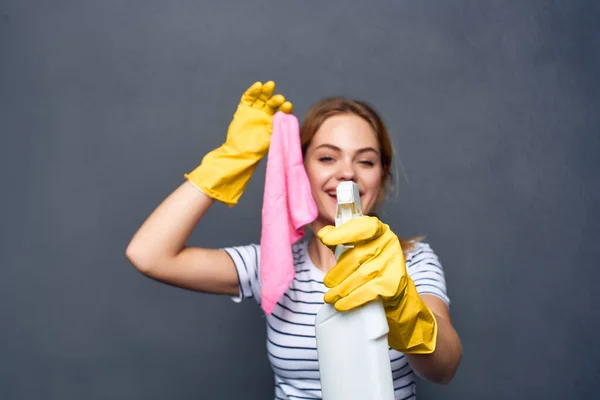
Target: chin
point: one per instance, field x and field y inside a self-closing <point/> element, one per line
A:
<point x="327" y="214"/>
<point x="328" y="217"/>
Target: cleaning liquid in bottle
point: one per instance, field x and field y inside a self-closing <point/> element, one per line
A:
<point x="352" y="346"/>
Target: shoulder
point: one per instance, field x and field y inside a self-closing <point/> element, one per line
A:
<point x="425" y="268"/>
<point x="423" y="258"/>
<point x="250" y="253"/>
<point x="246" y="259"/>
<point x="244" y="253"/>
<point x="421" y="252"/>
<point x="251" y="247"/>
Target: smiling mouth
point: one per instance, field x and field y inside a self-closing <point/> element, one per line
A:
<point x="333" y="195"/>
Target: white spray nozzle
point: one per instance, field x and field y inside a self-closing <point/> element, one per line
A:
<point x="347" y="193"/>
<point x="348" y="199"/>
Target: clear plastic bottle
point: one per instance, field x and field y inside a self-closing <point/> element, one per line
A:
<point x="352" y="346"/>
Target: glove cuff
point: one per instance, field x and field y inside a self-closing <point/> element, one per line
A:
<point x="413" y="327"/>
<point x="223" y="175"/>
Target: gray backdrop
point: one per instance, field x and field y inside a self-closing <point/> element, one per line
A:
<point x="104" y="105"/>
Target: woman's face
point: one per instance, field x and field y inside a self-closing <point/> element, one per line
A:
<point x="344" y="148"/>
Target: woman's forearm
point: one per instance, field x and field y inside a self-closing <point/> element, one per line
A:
<point x="165" y="232"/>
<point x="441" y="365"/>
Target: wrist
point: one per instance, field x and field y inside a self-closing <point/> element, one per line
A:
<point x="223" y="178"/>
<point x="407" y="313"/>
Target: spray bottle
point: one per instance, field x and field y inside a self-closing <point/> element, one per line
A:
<point x="352" y="346"/>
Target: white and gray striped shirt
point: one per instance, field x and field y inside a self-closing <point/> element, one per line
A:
<point x="291" y="343"/>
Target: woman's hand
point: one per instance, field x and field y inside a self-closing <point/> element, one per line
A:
<point x="251" y="127"/>
<point x="375" y="268"/>
<point x="225" y="171"/>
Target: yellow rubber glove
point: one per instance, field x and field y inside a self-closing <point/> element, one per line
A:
<point x="225" y="171"/>
<point x="376" y="268"/>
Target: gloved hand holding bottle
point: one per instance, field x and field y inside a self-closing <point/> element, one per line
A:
<point x="375" y="267"/>
<point x="225" y="171"/>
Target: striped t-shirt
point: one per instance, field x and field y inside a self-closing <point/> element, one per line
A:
<point x="291" y="343"/>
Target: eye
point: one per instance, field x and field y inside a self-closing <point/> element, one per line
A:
<point x="367" y="162"/>
<point x="325" y="159"/>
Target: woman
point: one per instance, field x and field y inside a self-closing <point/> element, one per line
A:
<point x="342" y="140"/>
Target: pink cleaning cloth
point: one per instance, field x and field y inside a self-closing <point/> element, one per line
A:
<point x="288" y="205"/>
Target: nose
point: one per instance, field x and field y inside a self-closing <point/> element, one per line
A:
<point x="346" y="172"/>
